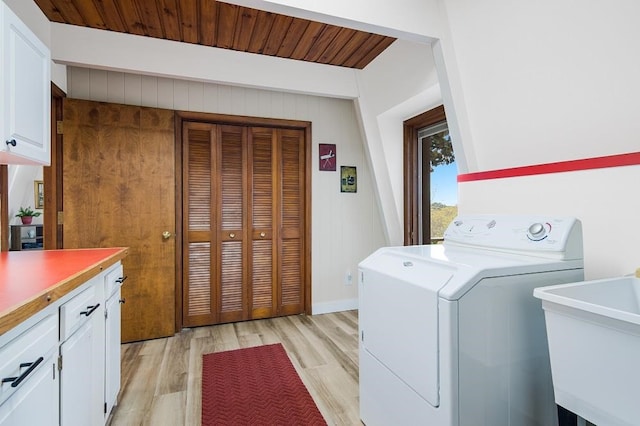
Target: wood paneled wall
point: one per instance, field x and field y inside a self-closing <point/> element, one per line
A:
<point x="345" y="227"/>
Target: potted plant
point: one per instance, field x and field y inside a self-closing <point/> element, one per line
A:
<point x="27" y="214"/>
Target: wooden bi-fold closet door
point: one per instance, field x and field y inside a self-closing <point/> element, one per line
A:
<point x="243" y="201"/>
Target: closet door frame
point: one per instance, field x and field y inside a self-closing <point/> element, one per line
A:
<point x="185" y="116"/>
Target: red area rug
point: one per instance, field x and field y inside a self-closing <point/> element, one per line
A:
<point x="255" y="386"/>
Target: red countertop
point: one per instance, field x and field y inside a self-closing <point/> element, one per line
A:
<point x="31" y="280"/>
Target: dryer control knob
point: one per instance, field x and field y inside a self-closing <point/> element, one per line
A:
<point x="537" y="231"/>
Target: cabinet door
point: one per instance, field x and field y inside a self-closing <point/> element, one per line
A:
<point x="36" y="402"/>
<point x="75" y="378"/>
<point x="112" y="371"/>
<point x="25" y="89"/>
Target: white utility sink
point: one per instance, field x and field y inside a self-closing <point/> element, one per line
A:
<point x="593" y="329"/>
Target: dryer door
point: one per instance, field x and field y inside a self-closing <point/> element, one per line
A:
<point x="398" y="317"/>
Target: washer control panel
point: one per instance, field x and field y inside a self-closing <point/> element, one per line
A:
<point x="539" y="231"/>
<point x="518" y="233"/>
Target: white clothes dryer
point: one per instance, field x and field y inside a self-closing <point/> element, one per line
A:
<point x="450" y="334"/>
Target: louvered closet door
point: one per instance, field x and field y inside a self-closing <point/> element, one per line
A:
<point x="264" y="205"/>
<point x="231" y="149"/>
<point x="214" y="252"/>
<point x="291" y="258"/>
<point x="199" y="231"/>
<point x="244" y="207"/>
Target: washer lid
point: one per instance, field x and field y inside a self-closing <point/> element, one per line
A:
<point x="398" y="316"/>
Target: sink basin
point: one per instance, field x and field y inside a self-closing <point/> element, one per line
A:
<point x="593" y="330"/>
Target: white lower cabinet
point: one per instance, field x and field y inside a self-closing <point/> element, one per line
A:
<point x="90" y="351"/>
<point x="112" y="366"/>
<point x="112" y="285"/>
<point x="36" y="402"/>
<point x="75" y="377"/>
<point x="29" y="380"/>
<point x="81" y="362"/>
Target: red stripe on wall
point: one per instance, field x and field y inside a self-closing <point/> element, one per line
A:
<point x="629" y="159"/>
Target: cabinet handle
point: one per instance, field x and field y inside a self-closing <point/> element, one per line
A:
<point x="232" y="235"/>
<point x="262" y="235"/>
<point x="12" y="142"/>
<point x="15" y="381"/>
<point x="121" y="279"/>
<point x="122" y="301"/>
<point x="91" y="309"/>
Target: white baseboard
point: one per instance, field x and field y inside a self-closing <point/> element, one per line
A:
<point x="336" y="306"/>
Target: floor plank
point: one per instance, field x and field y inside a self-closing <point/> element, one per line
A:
<point x="162" y="378"/>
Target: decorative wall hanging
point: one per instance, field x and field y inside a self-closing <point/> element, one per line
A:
<point x="327" y="157"/>
<point x="38" y="193"/>
<point x="348" y="179"/>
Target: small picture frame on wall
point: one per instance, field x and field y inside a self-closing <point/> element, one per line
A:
<point x="327" y="157"/>
<point x="348" y="179"/>
<point x="38" y="193"/>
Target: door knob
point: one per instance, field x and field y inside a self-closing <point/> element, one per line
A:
<point x="166" y="235"/>
<point x="11" y="142"/>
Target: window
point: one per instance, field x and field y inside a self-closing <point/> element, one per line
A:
<point x="429" y="163"/>
<point x="435" y="157"/>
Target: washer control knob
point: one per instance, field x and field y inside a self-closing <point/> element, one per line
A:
<point x="537" y="231"/>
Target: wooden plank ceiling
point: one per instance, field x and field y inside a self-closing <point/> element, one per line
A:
<point x="216" y="24"/>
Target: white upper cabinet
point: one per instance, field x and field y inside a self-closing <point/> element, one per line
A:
<point x="25" y="94"/>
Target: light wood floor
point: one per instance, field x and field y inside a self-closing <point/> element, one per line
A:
<point x="162" y="378"/>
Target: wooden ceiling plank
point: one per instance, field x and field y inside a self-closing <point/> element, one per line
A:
<point x="292" y="38"/>
<point x="350" y="47"/>
<point x="111" y="15"/>
<point x="247" y="19"/>
<point x="130" y="17"/>
<point x="261" y="31"/>
<point x="227" y="17"/>
<point x="322" y="43"/>
<point x="278" y="32"/>
<point x="333" y="49"/>
<point x="150" y="18"/>
<point x="378" y="48"/>
<point x="311" y="33"/>
<point x="50" y="11"/>
<point x="208" y="22"/>
<point x="69" y="12"/>
<point x="90" y="14"/>
<point x="189" y="21"/>
<point x="170" y="19"/>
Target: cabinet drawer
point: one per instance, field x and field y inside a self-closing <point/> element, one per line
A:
<point x="113" y="280"/>
<point x="30" y="348"/>
<point x="77" y="311"/>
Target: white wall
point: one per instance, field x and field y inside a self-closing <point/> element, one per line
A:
<point x="399" y="84"/>
<point x="550" y="81"/>
<point x="345" y="227"/>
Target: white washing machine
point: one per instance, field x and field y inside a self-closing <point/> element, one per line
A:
<point x="451" y="334"/>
